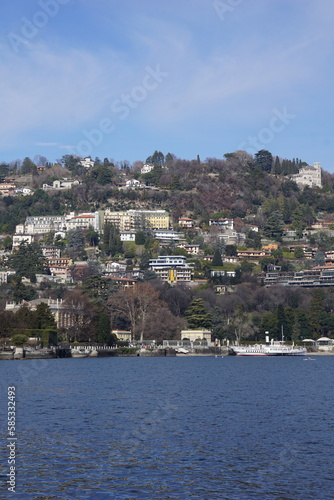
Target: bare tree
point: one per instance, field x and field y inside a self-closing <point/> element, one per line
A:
<point x="135" y="305"/>
<point x="78" y="313"/>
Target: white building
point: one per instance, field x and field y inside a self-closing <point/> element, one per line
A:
<point x="133" y="184"/>
<point x="43" y="224"/>
<point x="65" y="183"/>
<point x="58" y="223"/>
<point x="309" y="176"/>
<point x="87" y="162"/>
<point x="24" y="191"/>
<point x="115" y="267"/>
<point x="186" y="222"/>
<point x="50" y="251"/>
<point x="147" y="168"/>
<point x="83" y="221"/>
<point x="128" y="236"/>
<point x="167" y="235"/>
<point x="192" y="249"/>
<point x="171" y="268"/>
<point x="22" y="238"/>
<point x="223" y="223"/>
<point x="4" y="273"/>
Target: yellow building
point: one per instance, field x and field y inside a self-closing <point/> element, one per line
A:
<point x="194" y="335"/>
<point x="136" y="220"/>
<point x="271" y="247"/>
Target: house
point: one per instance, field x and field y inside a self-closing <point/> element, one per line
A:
<point x="63" y="318"/>
<point x="115" y="267"/>
<point x="7" y="189"/>
<point x="128" y="236"/>
<point x="224" y="223"/>
<point x="22" y="238"/>
<point x="167" y="235"/>
<point x="133" y="184"/>
<point x="323" y="225"/>
<point x="50" y="251"/>
<point x="232" y="237"/>
<point x="59" y="274"/>
<point x="252" y="227"/>
<point x="59" y="261"/>
<point x="123" y="282"/>
<point x="24" y="191"/>
<point x="217" y="273"/>
<point x="60" y="269"/>
<point x="87" y="162"/>
<point x="64" y="183"/>
<point x="270" y="247"/>
<point x="192" y="249"/>
<point x="223" y="289"/>
<point x="325" y="344"/>
<point x="193" y="335"/>
<point x="252" y="254"/>
<point x="230" y="258"/>
<point x="309" y="176"/>
<point x="186" y="222"/>
<point x="147" y="168"/>
<point x="4" y="274"/>
<point x="123" y="335"/>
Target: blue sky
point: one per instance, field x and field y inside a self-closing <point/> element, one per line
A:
<point x="190" y="77"/>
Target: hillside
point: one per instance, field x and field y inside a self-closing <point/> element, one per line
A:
<point x="247" y="216"/>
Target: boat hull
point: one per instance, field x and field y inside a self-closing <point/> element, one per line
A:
<point x="267" y="351"/>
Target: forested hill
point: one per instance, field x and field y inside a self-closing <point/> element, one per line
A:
<point x="237" y="186"/>
<point x="258" y="193"/>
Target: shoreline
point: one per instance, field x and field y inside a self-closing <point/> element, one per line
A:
<point x="160" y="353"/>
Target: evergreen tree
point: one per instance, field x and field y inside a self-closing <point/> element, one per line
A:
<point x="103" y="328"/>
<point x="140" y="238"/>
<point x="102" y="174"/>
<point x="28" y="167"/>
<point x="158" y="158"/>
<point x="21" y="292"/>
<point x="273" y="227"/>
<point x="317" y="308"/>
<point x="112" y="240"/>
<point x="197" y="317"/>
<point x="302" y="327"/>
<point x="269" y="323"/>
<point x="44" y="317"/>
<point x="277" y="166"/>
<point x="169" y="158"/>
<point x="71" y="163"/>
<point x="75" y="242"/>
<point x="264" y="160"/>
<point x="28" y="260"/>
<point x="217" y="259"/>
<point x="175" y="184"/>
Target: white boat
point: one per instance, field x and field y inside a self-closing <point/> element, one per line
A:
<point x="272" y="348"/>
<point x="78" y="352"/>
<point x="181" y="350"/>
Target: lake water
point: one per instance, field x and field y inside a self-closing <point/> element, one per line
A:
<point x="189" y="428"/>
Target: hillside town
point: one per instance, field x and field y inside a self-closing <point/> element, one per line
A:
<point x="181" y="231"/>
